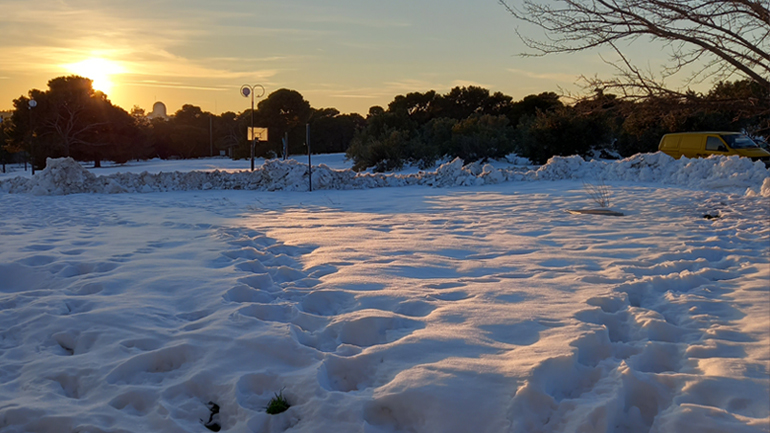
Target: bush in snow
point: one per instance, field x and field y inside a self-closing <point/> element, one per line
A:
<point x="561" y="132"/>
<point x="277" y="404"/>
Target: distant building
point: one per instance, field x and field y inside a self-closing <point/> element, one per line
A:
<point x="5" y="115"/>
<point x="158" y="110"/>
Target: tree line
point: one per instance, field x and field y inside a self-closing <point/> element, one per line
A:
<point x="474" y="124"/>
<point x="71" y="119"/>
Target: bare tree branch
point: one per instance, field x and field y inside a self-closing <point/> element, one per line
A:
<point x="719" y="38"/>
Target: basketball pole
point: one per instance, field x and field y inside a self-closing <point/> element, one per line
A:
<point x="246" y="91"/>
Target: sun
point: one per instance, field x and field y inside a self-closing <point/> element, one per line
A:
<point x="97" y="69"/>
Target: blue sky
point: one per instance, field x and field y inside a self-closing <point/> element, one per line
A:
<point x="345" y="54"/>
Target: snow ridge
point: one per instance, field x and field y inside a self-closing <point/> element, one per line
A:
<point x="65" y="176"/>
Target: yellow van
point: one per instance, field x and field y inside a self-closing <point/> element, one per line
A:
<point x="703" y="144"/>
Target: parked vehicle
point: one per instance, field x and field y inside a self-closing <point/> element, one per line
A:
<point x="763" y="144"/>
<point x="703" y="144"/>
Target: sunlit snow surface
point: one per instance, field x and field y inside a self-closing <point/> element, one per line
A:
<point x="484" y="308"/>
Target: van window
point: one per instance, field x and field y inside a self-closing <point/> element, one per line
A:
<point x="670" y="142"/>
<point x="739" y="141"/>
<point x="714" y="143"/>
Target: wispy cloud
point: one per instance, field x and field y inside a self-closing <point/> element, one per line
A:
<point x="561" y="77"/>
<point x="466" y="83"/>
<point x="141" y="45"/>
<point x="157" y="63"/>
<point x="408" y="85"/>
<point x="254" y="59"/>
<point x="352" y="96"/>
<point x="174" y="86"/>
<point x="356" y="21"/>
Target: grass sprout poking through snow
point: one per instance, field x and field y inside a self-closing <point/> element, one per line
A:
<point x="599" y="193"/>
<point x="277" y="404"/>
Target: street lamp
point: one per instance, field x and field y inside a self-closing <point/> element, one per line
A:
<point x="247" y="91"/>
<point x="31" y="104"/>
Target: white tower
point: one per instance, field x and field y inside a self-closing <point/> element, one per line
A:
<point x="158" y="110"/>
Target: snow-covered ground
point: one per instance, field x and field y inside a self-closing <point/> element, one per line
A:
<point x="481" y="307"/>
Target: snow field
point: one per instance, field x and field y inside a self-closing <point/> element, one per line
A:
<point x="485" y="308"/>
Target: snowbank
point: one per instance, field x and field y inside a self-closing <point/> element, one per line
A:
<point x="65" y="176"/>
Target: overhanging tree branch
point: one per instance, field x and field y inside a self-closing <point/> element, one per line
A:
<point x="723" y="38"/>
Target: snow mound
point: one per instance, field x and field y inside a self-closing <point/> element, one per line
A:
<point x="707" y="173"/>
<point x="65" y="176"/>
<point x="764" y="191"/>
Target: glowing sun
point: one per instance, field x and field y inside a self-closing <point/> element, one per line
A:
<point x="97" y="69"/>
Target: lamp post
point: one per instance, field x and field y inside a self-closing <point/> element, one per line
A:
<point x="31" y="104"/>
<point x="246" y="91"/>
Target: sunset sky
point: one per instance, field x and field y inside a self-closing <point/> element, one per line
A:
<point x="347" y="54"/>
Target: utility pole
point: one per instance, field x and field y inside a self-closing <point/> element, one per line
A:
<point x="309" y="165"/>
<point x="32" y="104"/>
<point x="211" y="136"/>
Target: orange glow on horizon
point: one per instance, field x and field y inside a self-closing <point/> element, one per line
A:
<point x="99" y="70"/>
